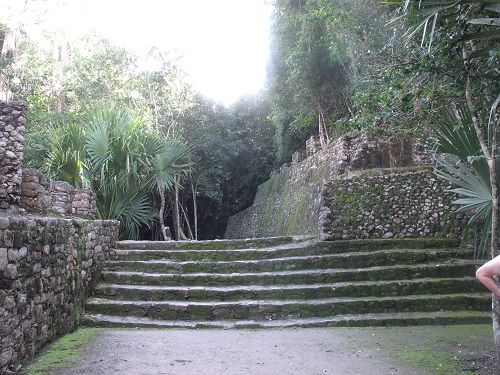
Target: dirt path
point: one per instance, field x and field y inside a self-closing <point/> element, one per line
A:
<point x="382" y="351"/>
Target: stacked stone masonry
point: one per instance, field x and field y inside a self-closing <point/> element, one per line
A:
<point x="390" y="203"/>
<point x="42" y="195"/>
<point x="48" y="265"/>
<point x="12" y="127"/>
<point x="354" y="188"/>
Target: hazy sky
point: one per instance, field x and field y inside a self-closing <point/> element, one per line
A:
<point x="224" y="42"/>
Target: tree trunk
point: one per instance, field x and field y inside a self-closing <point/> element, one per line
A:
<point x="177" y="213"/>
<point x="177" y="218"/>
<point x="162" y="211"/>
<point x="324" y="137"/>
<point x="186" y="220"/>
<point x="489" y="152"/>
<point x="195" y="210"/>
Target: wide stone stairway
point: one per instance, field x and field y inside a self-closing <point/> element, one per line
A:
<point x="288" y="282"/>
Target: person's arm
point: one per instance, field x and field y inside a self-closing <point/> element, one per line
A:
<point x="486" y="274"/>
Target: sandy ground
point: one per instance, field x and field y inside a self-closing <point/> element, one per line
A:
<point x="300" y="352"/>
<point x="359" y="351"/>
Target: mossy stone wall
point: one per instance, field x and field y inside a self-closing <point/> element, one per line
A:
<point x="288" y="203"/>
<point x="326" y="197"/>
<point x="390" y="203"/>
<point x="48" y="267"/>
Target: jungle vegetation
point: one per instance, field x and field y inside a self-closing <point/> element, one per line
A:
<point x="394" y="68"/>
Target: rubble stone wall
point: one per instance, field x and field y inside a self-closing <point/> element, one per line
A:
<point x="354" y="188"/>
<point x="51" y="249"/>
<point x="42" y="195"/>
<point x="389" y="203"/>
<point x="48" y="267"/>
<point x="12" y="127"/>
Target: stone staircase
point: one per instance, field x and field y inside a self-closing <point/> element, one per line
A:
<point x="288" y="282"/>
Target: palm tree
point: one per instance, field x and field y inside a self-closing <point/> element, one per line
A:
<point x="115" y="155"/>
<point x="126" y="163"/>
<point x="467" y="169"/>
<point x="66" y="155"/>
<point x="165" y="168"/>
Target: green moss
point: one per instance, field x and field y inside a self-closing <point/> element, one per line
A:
<point x="447" y="354"/>
<point x="60" y="353"/>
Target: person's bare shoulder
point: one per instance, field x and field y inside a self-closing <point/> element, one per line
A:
<point x="492" y="267"/>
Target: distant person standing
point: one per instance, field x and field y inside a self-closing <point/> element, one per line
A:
<point x="486" y="274"/>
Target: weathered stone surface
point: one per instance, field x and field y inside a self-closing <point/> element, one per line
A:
<point x="11" y="137"/>
<point x="351" y="189"/>
<point x="47" y="279"/>
<point x="48" y="266"/>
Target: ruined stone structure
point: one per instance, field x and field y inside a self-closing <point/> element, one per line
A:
<point x="41" y="195"/>
<point x="354" y="188"/>
<point x="51" y="249"/>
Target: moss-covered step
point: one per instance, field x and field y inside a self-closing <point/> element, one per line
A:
<point x="277" y="245"/>
<point x="163" y="250"/>
<point x="270" y="309"/>
<point x="212" y="244"/>
<point x="248" y="283"/>
<point x="353" y="320"/>
<point x="343" y="260"/>
<point x="452" y="268"/>
<point x="286" y="292"/>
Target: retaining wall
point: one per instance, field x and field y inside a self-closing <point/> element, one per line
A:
<point x="354" y="188"/>
<point x="51" y="249"/>
<point x="48" y="267"/>
<point x="390" y="203"/>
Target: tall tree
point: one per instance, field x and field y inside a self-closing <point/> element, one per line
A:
<point x="474" y="25"/>
<point x="319" y="50"/>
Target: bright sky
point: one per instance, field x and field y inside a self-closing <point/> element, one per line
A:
<point x="224" y="43"/>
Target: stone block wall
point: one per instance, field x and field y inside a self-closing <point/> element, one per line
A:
<point x="42" y="195"/>
<point x="28" y="189"/>
<point x="389" y="203"/>
<point x="48" y="267"/>
<point x="335" y="194"/>
<point x="12" y="122"/>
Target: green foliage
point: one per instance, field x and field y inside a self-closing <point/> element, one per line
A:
<point x="232" y="153"/>
<point x="112" y="153"/>
<point x="66" y="154"/>
<point x="468" y="171"/>
<point x="308" y="77"/>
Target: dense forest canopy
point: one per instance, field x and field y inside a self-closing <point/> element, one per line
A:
<point x="159" y="153"/>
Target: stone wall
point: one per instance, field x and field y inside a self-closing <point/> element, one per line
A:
<point x="389" y="203"/>
<point x="12" y="122"/>
<point x="300" y="198"/>
<point x="48" y="267"/>
<point x="42" y="195"/>
<point x="28" y="190"/>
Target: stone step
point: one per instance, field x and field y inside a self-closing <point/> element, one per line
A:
<point x="285" y="292"/>
<point x="252" y="243"/>
<point x="454" y="268"/>
<point x="288" y="309"/>
<point x="348" y="320"/>
<point x="288" y="281"/>
<point x="212" y="244"/>
<point x="342" y="260"/>
<point x="227" y="255"/>
<point x="298" y="248"/>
